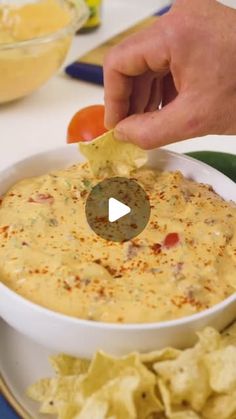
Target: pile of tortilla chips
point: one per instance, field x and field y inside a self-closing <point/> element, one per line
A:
<point x="194" y="383"/>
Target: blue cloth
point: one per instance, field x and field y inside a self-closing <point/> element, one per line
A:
<point x="6" y="411"/>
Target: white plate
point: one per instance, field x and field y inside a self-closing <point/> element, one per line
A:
<point x="22" y="362"/>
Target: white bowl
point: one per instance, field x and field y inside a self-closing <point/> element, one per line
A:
<point x="83" y="337"/>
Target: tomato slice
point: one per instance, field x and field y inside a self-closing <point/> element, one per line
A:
<point x="86" y="124"/>
<point x="171" y="240"/>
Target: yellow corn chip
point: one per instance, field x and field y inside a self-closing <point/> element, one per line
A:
<point x="166" y="397"/>
<point x="109" y="157"/>
<point x="187" y="378"/>
<point x="69" y="365"/>
<point x="174" y="412"/>
<point x="104" y="368"/>
<point x="55" y="392"/>
<point x="161" y="355"/>
<point x="185" y="414"/>
<point x="93" y="408"/>
<point x="221" y="407"/>
<point x="68" y="410"/>
<point x="209" y="340"/>
<point x="40" y="390"/>
<point x="114" y="399"/>
<point x="221" y="366"/>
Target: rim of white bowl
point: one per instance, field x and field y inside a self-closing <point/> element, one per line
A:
<point x="128" y="326"/>
<point x="117" y="326"/>
<point x="173" y="154"/>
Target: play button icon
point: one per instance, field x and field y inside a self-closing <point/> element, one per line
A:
<point x="117" y="209"/>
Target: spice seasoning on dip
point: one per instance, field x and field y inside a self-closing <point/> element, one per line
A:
<point x="183" y="262"/>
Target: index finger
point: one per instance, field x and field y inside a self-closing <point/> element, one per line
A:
<point x="141" y="52"/>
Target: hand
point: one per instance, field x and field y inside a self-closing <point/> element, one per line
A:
<point x="176" y="79"/>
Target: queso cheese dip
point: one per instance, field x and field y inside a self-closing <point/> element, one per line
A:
<point x="23" y="68"/>
<point x="182" y="263"/>
<point x="31" y="20"/>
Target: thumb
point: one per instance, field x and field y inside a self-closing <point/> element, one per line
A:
<point x="177" y="121"/>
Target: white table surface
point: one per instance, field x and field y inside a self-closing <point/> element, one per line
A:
<point x="39" y="121"/>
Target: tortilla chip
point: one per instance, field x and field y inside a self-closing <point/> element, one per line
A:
<point x="221" y="406"/>
<point x="104" y="368"/>
<point x="68" y="410"/>
<point x="185" y="414"/>
<point x="209" y="340"/>
<point x="108" y="157"/>
<point x="54" y="393"/>
<point x="165" y="395"/>
<point x="186" y="378"/>
<point x="172" y="411"/>
<point x="69" y="365"/>
<point x="221" y="366"/>
<point x="93" y="408"/>
<point x="40" y="390"/>
<point x="114" y="399"/>
<point x="161" y="355"/>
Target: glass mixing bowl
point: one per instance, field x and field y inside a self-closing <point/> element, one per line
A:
<point x="27" y="64"/>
